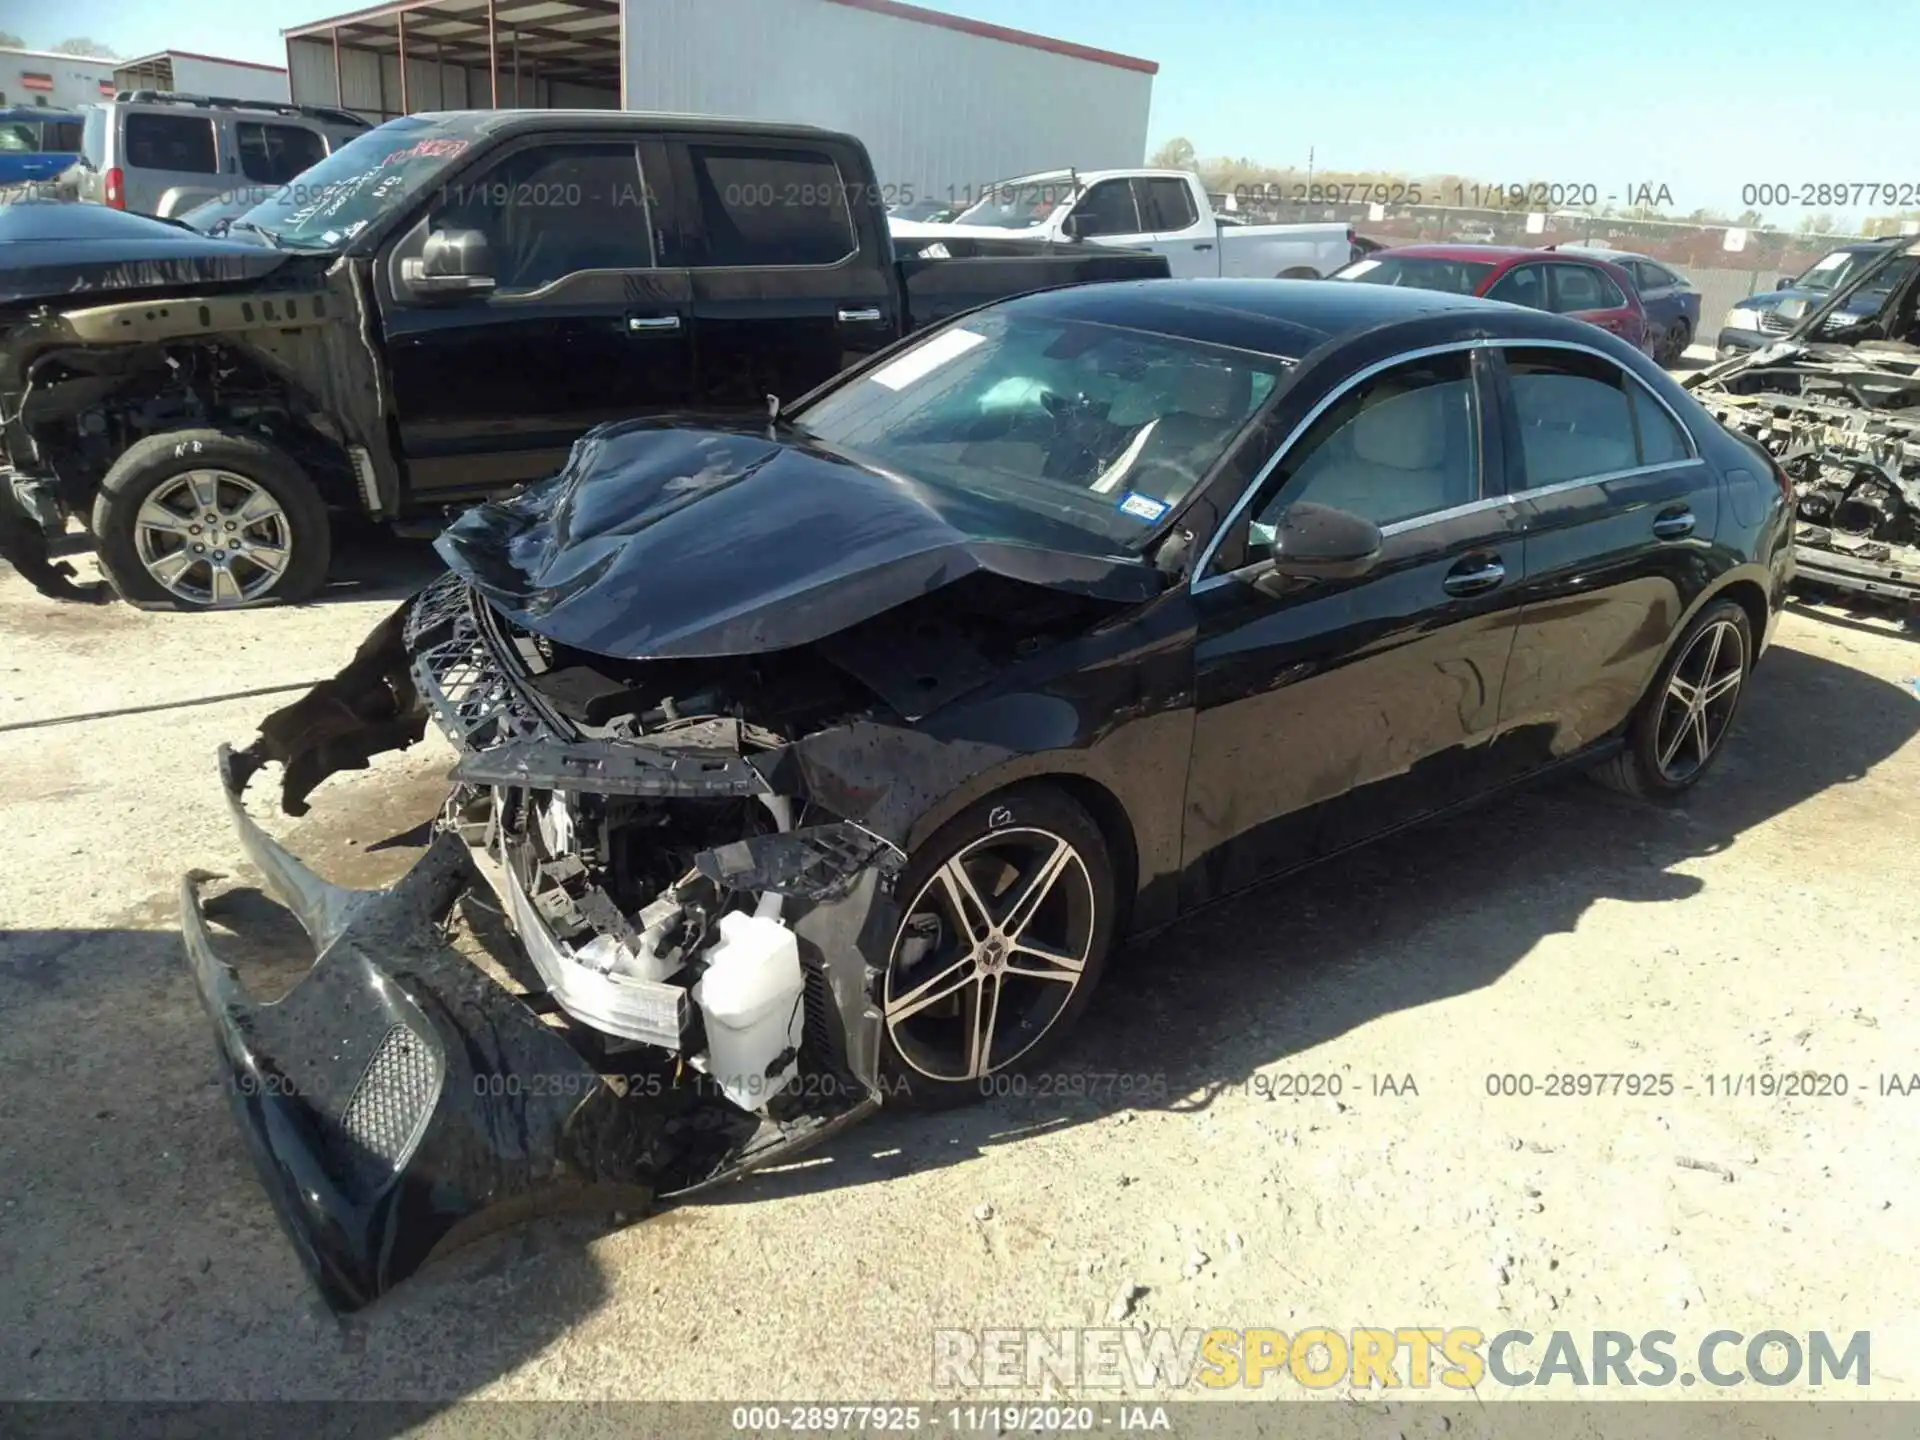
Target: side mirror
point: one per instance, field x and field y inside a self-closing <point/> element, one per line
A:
<point x="1318" y="542"/>
<point x="453" y="262"/>
<point x="1785" y="282"/>
<point x="1074" y="226"/>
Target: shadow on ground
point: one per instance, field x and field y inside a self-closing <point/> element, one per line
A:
<point x="138" y="1188"/>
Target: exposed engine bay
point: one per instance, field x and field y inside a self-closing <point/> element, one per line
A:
<point x="1843" y="424"/>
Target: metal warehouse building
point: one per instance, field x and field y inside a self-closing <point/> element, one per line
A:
<point x="202" y="75"/>
<point x="944" y="105"/>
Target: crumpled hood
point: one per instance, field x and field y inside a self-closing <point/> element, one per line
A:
<point x="658" y="542"/>
<point x="49" y="250"/>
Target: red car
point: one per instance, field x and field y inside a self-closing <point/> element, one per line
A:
<point x="1582" y="286"/>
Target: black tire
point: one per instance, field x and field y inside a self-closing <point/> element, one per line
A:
<point x="1678" y="338"/>
<point x="152" y="463"/>
<point x="1299" y="272"/>
<point x="1639" y="769"/>
<point x="984" y="837"/>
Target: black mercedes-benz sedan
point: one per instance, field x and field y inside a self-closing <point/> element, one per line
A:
<point x="822" y="762"/>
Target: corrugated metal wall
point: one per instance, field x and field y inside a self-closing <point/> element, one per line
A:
<point x="939" y="110"/>
<point x="214" y="77"/>
<point x="371" y="83"/>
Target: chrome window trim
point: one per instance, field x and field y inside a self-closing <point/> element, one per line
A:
<point x="1199" y="579"/>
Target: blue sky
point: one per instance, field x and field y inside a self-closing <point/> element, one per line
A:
<point x="1614" y="94"/>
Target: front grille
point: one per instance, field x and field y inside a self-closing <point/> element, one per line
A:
<point x="386" y="1112"/>
<point x="474" y="698"/>
<point x="1774" y="322"/>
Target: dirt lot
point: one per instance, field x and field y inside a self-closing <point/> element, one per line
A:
<point x="1769" y="925"/>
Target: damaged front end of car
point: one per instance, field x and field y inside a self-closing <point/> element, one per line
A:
<point x="1839" y="412"/>
<point x="406" y="1096"/>
<point x="1843" y="426"/>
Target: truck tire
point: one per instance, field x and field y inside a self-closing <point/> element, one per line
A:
<point x="209" y="520"/>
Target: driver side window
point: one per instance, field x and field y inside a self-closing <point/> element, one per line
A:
<point x="555" y="211"/>
<point x="1107" y="209"/>
<point x="1400" y="445"/>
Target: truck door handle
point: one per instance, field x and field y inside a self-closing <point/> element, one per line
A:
<point x="1674" y="525"/>
<point x="870" y="316"/>
<point x="1473" y="576"/>
<point x="1204" y="245"/>
<point x="652" y="324"/>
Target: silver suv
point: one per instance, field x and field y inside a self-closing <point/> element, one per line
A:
<point x="161" y="153"/>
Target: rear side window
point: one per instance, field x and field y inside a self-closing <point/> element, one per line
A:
<point x="1581" y="416"/>
<point x="1574" y="288"/>
<point x="768" y="206"/>
<point x="1523" y="285"/>
<point x="275" y="154"/>
<point x="62" y="137"/>
<point x="1166" y="204"/>
<point x="170" y="142"/>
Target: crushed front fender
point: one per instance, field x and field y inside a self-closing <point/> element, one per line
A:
<point x="398" y="1101"/>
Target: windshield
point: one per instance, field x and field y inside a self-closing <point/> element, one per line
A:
<point x="1830" y="272"/>
<point x="1019" y="204"/>
<point x="364" y="179"/>
<point x="1456" y="277"/>
<point x="1102" y="427"/>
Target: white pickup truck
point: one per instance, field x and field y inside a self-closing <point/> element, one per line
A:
<point x="1162" y="210"/>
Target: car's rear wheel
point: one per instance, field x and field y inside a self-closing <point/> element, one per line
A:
<point x="209" y="520"/>
<point x="1007" y="920"/>
<point x="1678" y="730"/>
<point x="1299" y="272"/>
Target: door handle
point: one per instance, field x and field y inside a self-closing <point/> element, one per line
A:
<point x="1204" y="245"/>
<point x="869" y="316"/>
<point x="1474" y="577"/>
<point x="1674" y="525"/>
<point x="651" y="324"/>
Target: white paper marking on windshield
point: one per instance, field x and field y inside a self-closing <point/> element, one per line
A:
<point x="1359" y="268"/>
<point x="924" y="359"/>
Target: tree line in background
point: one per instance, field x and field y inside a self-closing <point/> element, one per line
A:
<point x="79" y="45"/>
<point x="1224" y="175"/>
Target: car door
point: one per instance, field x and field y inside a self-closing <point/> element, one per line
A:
<point x="581" y="326"/>
<point x="1586" y="292"/>
<point x="1524" y="284"/>
<point x="1175" y="227"/>
<point x="791" y="283"/>
<point x="1618" y="512"/>
<point x="1109" y="211"/>
<point x="1326" y="712"/>
<point x="1659" y="293"/>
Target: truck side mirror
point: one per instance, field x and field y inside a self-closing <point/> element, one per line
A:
<point x="1074" y="226"/>
<point x="453" y="262"/>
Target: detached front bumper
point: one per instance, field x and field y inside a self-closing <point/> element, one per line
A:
<point x="398" y="1101"/>
<point x="1889" y="579"/>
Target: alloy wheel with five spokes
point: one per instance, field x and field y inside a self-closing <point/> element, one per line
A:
<point x="1697" y="706"/>
<point x="995" y="945"/>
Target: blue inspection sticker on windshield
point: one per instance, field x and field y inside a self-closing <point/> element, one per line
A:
<point x="1142" y="507"/>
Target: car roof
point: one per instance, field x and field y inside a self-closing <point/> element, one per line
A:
<point x="1284" y="318"/>
<point x="1483" y="254"/>
<point x="518" y="122"/>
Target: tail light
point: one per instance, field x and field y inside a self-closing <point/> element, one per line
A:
<point x="116" y="189"/>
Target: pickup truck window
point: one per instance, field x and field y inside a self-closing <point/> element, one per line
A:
<point x="1019" y="204"/>
<point x="767" y="205"/>
<point x="1100" y="426"/>
<point x="1108" y="209"/>
<point x="554" y="211"/>
<point x="1166" y="204"/>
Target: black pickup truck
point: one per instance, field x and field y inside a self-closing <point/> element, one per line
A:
<point x="434" y="314"/>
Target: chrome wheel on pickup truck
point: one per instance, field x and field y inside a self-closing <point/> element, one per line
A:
<point x="211" y="537"/>
<point x="209" y="520"/>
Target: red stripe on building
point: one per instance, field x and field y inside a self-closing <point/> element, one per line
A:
<point x="31" y="81"/>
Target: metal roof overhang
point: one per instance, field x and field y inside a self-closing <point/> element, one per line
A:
<point x="577" y="41"/>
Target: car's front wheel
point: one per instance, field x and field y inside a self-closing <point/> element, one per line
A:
<point x="209" y="520"/>
<point x="1008" y="915"/>
<point x="1677" y="732"/>
<point x="1674" y="347"/>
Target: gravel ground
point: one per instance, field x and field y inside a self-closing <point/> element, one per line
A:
<point x="1767" y="925"/>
